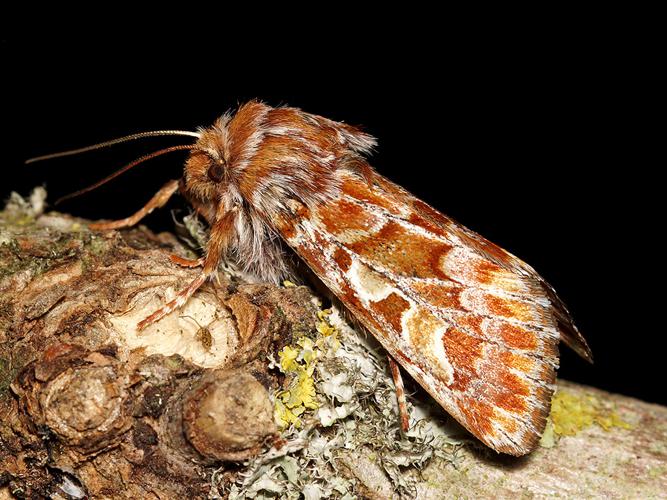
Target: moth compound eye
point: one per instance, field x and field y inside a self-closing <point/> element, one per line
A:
<point x="216" y="171"/>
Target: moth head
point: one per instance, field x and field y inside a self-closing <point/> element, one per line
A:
<point x="207" y="166"/>
<point x="220" y="153"/>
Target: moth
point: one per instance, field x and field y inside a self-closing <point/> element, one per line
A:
<point x="474" y="325"/>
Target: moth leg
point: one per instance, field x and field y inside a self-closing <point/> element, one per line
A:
<point x="157" y="201"/>
<point x="183" y="262"/>
<point x="400" y="394"/>
<point x="217" y="246"/>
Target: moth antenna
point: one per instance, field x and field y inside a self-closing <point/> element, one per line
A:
<point x="120" y="171"/>
<point x="112" y="142"/>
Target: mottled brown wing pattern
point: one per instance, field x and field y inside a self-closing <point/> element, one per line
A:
<point x="471" y="323"/>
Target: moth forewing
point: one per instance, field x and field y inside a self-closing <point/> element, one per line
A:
<point x="480" y="338"/>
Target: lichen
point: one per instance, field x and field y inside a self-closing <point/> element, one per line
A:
<point x="570" y="413"/>
<point x="22" y="212"/>
<point x="298" y="363"/>
<point x="350" y="406"/>
<point x="549" y="437"/>
<point x="299" y="395"/>
<point x="96" y="246"/>
<point x="54" y="238"/>
<point x="656" y="472"/>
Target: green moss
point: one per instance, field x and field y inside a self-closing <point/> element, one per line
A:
<point x="9" y="257"/>
<point x="97" y="246"/>
<point x="48" y="251"/>
<point x="277" y="321"/>
<point x="174" y="362"/>
<point x="6" y="375"/>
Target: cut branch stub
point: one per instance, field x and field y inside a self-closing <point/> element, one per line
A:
<point x="84" y="403"/>
<point x="229" y="415"/>
<point x="88" y="400"/>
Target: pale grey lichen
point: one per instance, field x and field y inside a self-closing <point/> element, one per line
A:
<point x="196" y="229"/>
<point x="31" y="207"/>
<point x="357" y="410"/>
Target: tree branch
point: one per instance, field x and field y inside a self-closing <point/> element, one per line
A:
<point x="91" y="407"/>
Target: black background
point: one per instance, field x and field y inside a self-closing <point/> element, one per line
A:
<point x="540" y="147"/>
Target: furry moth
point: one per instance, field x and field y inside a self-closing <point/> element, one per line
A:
<point x="474" y="325"/>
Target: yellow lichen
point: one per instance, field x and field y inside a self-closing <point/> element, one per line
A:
<point x="549" y="438"/>
<point x="287" y="358"/>
<point x="283" y="416"/>
<point x="328" y="338"/>
<point x="298" y="363"/>
<point x="302" y="394"/>
<point x="309" y="352"/>
<point x="571" y="413"/>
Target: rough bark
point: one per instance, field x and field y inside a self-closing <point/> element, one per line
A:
<point x="91" y="407"/>
<point x="89" y="402"/>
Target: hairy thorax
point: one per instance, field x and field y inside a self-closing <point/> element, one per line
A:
<point x="258" y="165"/>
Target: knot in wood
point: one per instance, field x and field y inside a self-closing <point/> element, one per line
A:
<point x="84" y="404"/>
